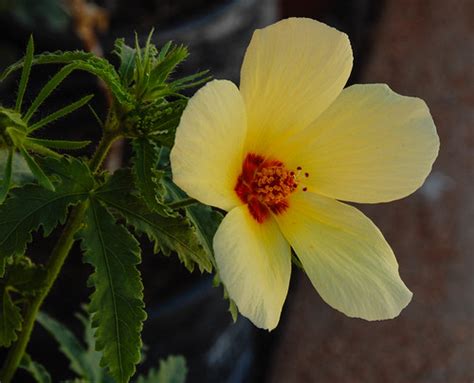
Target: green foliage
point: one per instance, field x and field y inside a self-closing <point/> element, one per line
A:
<point x="25" y="74"/>
<point x="7" y="176"/>
<point x="60" y="113"/>
<point x="37" y="371"/>
<point x="172" y="370"/>
<point x="32" y="206"/>
<point x="84" y="362"/>
<point x="10" y="319"/>
<point x="168" y="233"/>
<point x="117" y="301"/>
<point x="22" y="279"/>
<point x="147" y="177"/>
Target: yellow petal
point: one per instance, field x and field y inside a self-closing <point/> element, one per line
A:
<point x="345" y="256"/>
<point x="371" y="145"/>
<point x="292" y="71"/>
<point x="254" y="262"/>
<point x="206" y="159"/>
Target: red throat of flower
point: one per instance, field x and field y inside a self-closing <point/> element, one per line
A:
<point x="264" y="185"/>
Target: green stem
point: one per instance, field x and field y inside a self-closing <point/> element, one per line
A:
<point x="56" y="261"/>
<point x="185" y="202"/>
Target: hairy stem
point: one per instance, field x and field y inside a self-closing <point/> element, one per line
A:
<point x="54" y="266"/>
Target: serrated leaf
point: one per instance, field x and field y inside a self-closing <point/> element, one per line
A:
<point x="83" y="61"/>
<point x="36" y="369"/>
<point x="32" y="206"/>
<point x="93" y="356"/>
<point x="24" y="276"/>
<point x="7" y="176"/>
<point x="68" y="344"/>
<point x="25" y="74"/>
<point x="168" y="233"/>
<point x="172" y="370"/>
<point x="50" y="86"/>
<point x="10" y="319"/>
<point x="117" y="301"/>
<point x="148" y="177"/>
<point x="60" y="113"/>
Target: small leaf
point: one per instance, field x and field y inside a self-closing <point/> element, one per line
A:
<point x="7" y="177"/>
<point x="42" y="178"/>
<point x="147" y="176"/>
<point x="58" y="144"/>
<point x="10" y="319"/>
<point x="68" y="344"/>
<point x="32" y="206"/>
<point x="117" y="301"/>
<point x="25" y="74"/>
<point x="172" y="370"/>
<point x="60" y="113"/>
<point x="25" y="277"/>
<point x="126" y="55"/>
<point x="21" y="173"/>
<point x="50" y="86"/>
<point x="36" y="369"/>
<point x="168" y="233"/>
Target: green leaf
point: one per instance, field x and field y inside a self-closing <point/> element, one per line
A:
<point x="10" y="319"/>
<point x="168" y="233"/>
<point x="25" y="74"/>
<point x="7" y="177"/>
<point x="21" y="174"/>
<point x="205" y="219"/>
<point x="57" y="144"/>
<point x="172" y="370"/>
<point x="126" y="55"/>
<point x="68" y="344"/>
<point x="50" y="86"/>
<point x="117" y="301"/>
<point x="148" y="177"/>
<point x="93" y="357"/>
<point x="83" y="61"/>
<point x="36" y="370"/>
<point x="25" y="277"/>
<point x="60" y="113"/>
<point x="39" y="174"/>
<point x="32" y="206"/>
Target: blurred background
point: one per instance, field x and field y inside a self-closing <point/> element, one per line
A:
<point x="422" y="48"/>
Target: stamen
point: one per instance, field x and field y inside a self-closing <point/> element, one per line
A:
<point x="265" y="185"/>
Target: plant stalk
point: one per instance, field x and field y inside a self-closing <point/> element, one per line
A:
<point x="54" y="266"/>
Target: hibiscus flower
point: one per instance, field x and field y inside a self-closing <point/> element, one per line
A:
<point x="281" y="151"/>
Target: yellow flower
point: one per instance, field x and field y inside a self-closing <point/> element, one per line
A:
<point x="280" y="151"/>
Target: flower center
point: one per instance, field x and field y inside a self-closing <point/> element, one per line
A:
<point x="264" y="185"/>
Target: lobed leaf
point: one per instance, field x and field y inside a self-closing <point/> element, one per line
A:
<point x="30" y="207"/>
<point x="168" y="233"/>
<point x="116" y="306"/>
